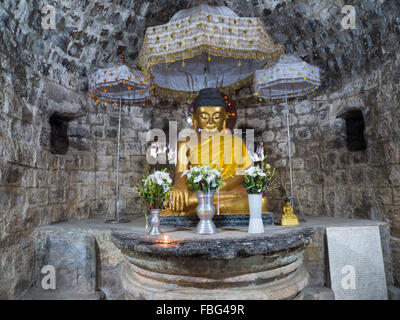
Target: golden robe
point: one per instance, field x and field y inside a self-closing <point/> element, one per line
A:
<point x="227" y="153"/>
<point x="221" y="151"/>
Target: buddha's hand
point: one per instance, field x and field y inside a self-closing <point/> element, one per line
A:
<point x="179" y="199"/>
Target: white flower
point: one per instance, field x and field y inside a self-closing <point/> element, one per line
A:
<point x="255" y="172"/>
<point x="216" y="172"/>
<point x="195" y="169"/>
<point x="185" y="173"/>
<point x="204" y="173"/>
<point x="210" y="178"/>
<point x="165" y="187"/>
<point x="159" y="177"/>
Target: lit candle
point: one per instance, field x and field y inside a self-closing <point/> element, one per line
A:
<point x="165" y="239"/>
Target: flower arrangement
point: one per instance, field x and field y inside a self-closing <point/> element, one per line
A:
<point x="257" y="179"/>
<point x="155" y="189"/>
<point x="203" y="178"/>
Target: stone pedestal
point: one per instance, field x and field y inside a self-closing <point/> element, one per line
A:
<point x="233" y="220"/>
<point x="229" y="265"/>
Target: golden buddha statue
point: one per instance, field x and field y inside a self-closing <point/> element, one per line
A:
<point x="214" y="145"/>
<point x="288" y="217"/>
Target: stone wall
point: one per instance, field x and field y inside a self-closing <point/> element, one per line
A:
<point x="42" y="73"/>
<point x="38" y="187"/>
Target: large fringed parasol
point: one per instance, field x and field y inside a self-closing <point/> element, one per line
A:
<point x="205" y="47"/>
<point x="114" y="86"/>
<point x="290" y="77"/>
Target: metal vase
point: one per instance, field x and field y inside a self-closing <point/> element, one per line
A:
<point x="154" y="222"/>
<point x="205" y="211"/>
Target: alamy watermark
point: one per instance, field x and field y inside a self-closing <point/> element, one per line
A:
<point x="48" y="17"/>
<point x="349" y="280"/>
<point x="349" y="20"/>
<point x="161" y="151"/>
<point x="49" y="280"/>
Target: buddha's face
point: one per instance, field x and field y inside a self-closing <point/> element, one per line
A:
<point x="209" y="118"/>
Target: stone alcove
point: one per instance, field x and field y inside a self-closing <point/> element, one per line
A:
<point x="354" y="130"/>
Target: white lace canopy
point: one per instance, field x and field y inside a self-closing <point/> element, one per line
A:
<point x="119" y="82"/>
<point x="291" y="77"/>
<point x="205" y="47"/>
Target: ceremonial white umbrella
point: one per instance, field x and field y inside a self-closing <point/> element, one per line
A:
<point x="113" y="86"/>
<point x="290" y="77"/>
<point x="205" y="47"/>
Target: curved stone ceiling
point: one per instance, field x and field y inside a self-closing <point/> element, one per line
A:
<point x="93" y="34"/>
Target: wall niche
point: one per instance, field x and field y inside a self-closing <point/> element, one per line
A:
<point x="58" y="134"/>
<point x="354" y="130"/>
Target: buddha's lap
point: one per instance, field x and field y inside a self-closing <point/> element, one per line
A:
<point x="238" y="205"/>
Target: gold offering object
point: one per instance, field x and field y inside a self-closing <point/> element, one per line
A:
<point x="289" y="218"/>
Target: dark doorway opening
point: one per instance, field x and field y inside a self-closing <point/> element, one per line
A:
<point x="58" y="134"/>
<point x="354" y="130"/>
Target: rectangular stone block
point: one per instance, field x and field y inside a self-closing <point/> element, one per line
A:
<point x="56" y="195"/>
<point x="104" y="162"/>
<point x="356" y="263"/>
<point x="88" y="192"/>
<point x="38" y="196"/>
<point x="72" y="254"/>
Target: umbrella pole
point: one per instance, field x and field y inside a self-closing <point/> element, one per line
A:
<point x="290" y="158"/>
<point x="117" y="169"/>
<point x="117" y="216"/>
<point x="290" y="153"/>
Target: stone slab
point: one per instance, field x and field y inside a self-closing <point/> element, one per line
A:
<point x="73" y="255"/>
<point x="233" y="220"/>
<point x="356" y="263"/>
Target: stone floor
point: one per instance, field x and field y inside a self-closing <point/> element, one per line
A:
<point x="102" y="274"/>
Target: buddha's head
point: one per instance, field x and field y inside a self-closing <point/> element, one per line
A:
<point x="287" y="203"/>
<point x="209" y="111"/>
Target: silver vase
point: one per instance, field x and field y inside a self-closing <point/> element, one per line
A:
<point x="205" y="211"/>
<point x="154" y="222"/>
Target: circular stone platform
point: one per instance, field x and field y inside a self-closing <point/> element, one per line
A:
<point x="228" y="265"/>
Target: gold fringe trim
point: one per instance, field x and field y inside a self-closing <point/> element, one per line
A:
<point x="212" y="51"/>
